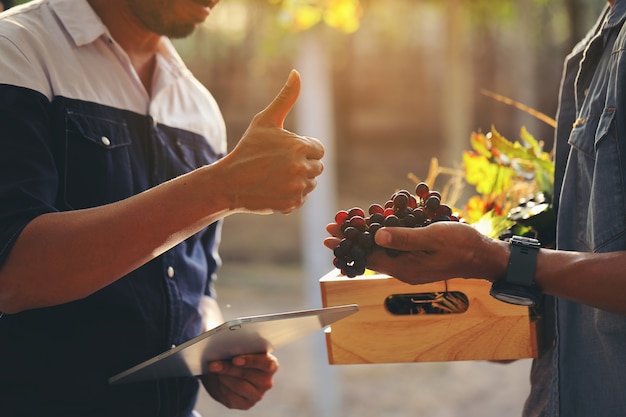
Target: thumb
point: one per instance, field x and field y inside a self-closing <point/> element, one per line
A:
<point x="276" y="112"/>
<point x="396" y="238"/>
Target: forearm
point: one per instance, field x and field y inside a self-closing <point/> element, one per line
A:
<point x="595" y="279"/>
<point x="61" y="257"/>
<point x="446" y="249"/>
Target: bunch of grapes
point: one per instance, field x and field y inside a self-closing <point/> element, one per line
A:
<point x="403" y="209"/>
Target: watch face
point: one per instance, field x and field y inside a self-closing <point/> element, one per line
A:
<point x="514" y="299"/>
<point x="514" y="294"/>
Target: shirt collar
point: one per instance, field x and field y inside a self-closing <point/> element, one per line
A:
<point x="84" y="26"/>
<point x="79" y="19"/>
<point x="616" y="14"/>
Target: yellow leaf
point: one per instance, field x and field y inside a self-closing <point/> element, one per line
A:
<point x="487" y="177"/>
<point x="343" y="15"/>
<point x="305" y="17"/>
<point x="493" y="225"/>
<point x="480" y="144"/>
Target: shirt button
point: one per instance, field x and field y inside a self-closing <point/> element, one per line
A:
<point x="170" y="272"/>
<point x="105" y="141"/>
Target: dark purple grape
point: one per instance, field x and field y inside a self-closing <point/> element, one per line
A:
<point x="366" y="240"/>
<point x="400" y="201"/>
<point x="374" y="228"/>
<point x="343" y="248"/>
<point x="377" y="218"/>
<point x="432" y="204"/>
<point x="352" y="233"/>
<point x="420" y="216"/>
<point x="401" y="213"/>
<point x="421" y="190"/>
<point x="435" y="194"/>
<point x="410" y="221"/>
<point x="444" y="210"/>
<point x="358" y="222"/>
<point x="392" y="221"/>
<point x="356" y="252"/>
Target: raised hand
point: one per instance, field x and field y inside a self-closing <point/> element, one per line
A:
<point x="272" y="169"/>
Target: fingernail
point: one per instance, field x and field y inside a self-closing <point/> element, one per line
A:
<point x="239" y="361"/>
<point x="215" y="367"/>
<point x="290" y="79"/>
<point x="383" y="237"/>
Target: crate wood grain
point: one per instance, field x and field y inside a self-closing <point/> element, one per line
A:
<point x="488" y="330"/>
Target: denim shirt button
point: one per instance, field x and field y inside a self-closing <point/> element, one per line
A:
<point x="105" y="141"/>
<point x="170" y="272"/>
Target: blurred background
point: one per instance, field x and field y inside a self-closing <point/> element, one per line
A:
<point x="387" y="86"/>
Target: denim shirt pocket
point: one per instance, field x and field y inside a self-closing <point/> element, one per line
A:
<point x="97" y="161"/>
<point x="599" y="181"/>
<point x="194" y="151"/>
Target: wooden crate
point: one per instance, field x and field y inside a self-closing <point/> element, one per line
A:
<point x="488" y="330"/>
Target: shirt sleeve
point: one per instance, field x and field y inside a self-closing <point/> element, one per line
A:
<point x="28" y="175"/>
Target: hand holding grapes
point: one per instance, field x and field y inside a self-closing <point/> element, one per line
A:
<point x="440" y="251"/>
<point x="272" y="169"/>
<point x="414" y="238"/>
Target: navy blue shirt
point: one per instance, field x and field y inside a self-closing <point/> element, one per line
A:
<point x="78" y="130"/>
<point x="583" y="371"/>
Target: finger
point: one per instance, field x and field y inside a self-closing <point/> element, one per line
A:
<point x="316" y="149"/>
<point x="331" y="242"/>
<point x="265" y="362"/>
<point x="309" y="186"/>
<point x="334" y="229"/>
<point x="240" y="394"/>
<point x="315" y="167"/>
<point x="236" y="394"/>
<point x="276" y="112"/>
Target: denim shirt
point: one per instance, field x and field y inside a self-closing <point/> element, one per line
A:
<point x="583" y="371"/>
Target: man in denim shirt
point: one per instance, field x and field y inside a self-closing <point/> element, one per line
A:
<point x="582" y="371"/>
<point x="114" y="178"/>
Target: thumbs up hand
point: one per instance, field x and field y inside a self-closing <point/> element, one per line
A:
<point x="272" y="169"/>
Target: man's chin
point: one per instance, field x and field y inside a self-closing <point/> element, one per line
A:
<point x="181" y="31"/>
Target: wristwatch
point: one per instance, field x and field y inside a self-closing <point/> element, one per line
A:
<point x="518" y="285"/>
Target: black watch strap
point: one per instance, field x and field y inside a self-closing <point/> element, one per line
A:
<point x="522" y="261"/>
<point x="518" y="285"/>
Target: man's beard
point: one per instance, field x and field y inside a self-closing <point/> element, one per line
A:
<point x="153" y="18"/>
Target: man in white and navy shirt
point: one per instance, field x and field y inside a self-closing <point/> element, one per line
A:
<point x="114" y="176"/>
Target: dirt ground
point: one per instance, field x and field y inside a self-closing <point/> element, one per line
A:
<point x="307" y="386"/>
